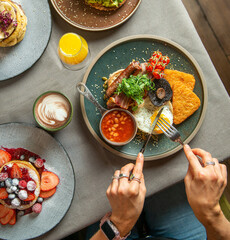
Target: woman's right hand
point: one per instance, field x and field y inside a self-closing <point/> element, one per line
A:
<point x="204" y="187"/>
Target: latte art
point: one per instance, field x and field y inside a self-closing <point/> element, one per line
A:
<point x="52" y="110"/>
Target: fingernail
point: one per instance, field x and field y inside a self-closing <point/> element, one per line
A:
<point x="139" y="154"/>
<point x="187" y="146"/>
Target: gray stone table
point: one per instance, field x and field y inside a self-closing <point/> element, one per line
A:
<point x="93" y="165"/>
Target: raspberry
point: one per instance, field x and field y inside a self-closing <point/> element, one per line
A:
<point x="37" y="208"/>
<point x="39" y="163"/>
<point x="22" y="184"/>
<point x="3" y="176"/>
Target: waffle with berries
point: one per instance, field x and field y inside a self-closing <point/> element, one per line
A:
<point x="22" y="184"/>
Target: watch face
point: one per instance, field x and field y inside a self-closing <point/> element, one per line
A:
<point x="108" y="231"/>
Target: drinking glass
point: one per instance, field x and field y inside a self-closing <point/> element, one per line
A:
<point x="73" y="51"/>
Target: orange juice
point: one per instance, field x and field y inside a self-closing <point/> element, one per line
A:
<point x="73" y="49"/>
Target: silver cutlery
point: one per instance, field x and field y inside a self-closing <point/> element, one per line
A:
<point x="173" y="134"/>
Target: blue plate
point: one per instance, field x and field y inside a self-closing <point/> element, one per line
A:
<point x="17" y="59"/>
<point x="118" y="55"/>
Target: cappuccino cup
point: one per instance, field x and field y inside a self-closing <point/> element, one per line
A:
<point x="52" y="111"/>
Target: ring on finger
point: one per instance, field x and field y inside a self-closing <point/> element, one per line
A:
<point x="209" y="163"/>
<point x="122" y="175"/>
<point x="132" y="176"/>
<point x="115" y="177"/>
<point x="136" y="179"/>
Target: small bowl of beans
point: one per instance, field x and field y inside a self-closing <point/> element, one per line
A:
<point x="118" y="126"/>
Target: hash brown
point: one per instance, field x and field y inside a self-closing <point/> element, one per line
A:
<point x="185" y="102"/>
<point x="173" y="76"/>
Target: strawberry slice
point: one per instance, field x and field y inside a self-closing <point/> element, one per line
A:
<point x="13" y="219"/>
<point x="15" y="171"/>
<point x="8" y="217"/>
<point x="3" y="193"/>
<point x="49" y="180"/>
<point x="4" y="157"/>
<point x="30" y="197"/>
<point x="3" y="211"/>
<point x="46" y="194"/>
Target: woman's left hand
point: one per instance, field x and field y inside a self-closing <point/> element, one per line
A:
<point x="127" y="196"/>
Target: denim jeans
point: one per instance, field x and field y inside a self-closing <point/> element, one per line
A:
<point x="166" y="215"/>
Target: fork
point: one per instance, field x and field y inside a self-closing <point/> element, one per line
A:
<point x="172" y="133"/>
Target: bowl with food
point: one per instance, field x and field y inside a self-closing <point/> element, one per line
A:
<point x="117" y="126"/>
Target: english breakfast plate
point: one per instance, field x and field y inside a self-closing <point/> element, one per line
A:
<point x="19" y="58"/>
<point x="118" y="55"/>
<point x="82" y="16"/>
<point x="30" y="226"/>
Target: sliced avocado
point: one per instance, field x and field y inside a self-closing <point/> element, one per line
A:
<point x="106" y="3"/>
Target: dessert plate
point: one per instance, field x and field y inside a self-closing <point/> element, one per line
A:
<point x="80" y="15"/>
<point x="14" y="135"/>
<point x="118" y="55"/>
<point x="17" y="59"/>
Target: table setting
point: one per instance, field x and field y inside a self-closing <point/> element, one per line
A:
<point x="42" y="71"/>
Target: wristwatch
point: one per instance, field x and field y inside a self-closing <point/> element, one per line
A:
<point x="109" y="229"/>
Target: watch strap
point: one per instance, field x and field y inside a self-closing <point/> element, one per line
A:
<point x="114" y="228"/>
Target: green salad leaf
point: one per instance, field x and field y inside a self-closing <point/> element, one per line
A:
<point x="135" y="87"/>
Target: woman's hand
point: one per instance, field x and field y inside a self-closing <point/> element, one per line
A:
<point x="127" y="196"/>
<point x="204" y="187"/>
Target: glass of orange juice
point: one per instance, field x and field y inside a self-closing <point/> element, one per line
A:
<point x="73" y="51"/>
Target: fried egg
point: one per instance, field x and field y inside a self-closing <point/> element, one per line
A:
<point x="147" y="112"/>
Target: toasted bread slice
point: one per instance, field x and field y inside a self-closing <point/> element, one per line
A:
<point x="103" y="8"/>
<point x="113" y="76"/>
<point x="185" y="102"/>
<point x="33" y="174"/>
<point x="173" y="76"/>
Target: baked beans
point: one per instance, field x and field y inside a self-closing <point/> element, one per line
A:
<point x="117" y="126"/>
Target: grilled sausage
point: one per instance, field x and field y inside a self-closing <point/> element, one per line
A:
<point x="124" y="74"/>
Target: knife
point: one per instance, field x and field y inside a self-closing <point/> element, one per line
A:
<point x="150" y="134"/>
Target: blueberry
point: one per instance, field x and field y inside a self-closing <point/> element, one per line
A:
<point x="40" y="199"/>
<point x="8" y="182"/>
<point x="32" y="159"/>
<point x="15" y="182"/>
<point x="2" y="184"/>
<point x="21" y="213"/>
<point x="11" y="196"/>
<point x="13" y="188"/>
<point x="9" y="190"/>
<point x="22" y="157"/>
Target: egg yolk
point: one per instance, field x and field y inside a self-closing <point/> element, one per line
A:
<point x="157" y="129"/>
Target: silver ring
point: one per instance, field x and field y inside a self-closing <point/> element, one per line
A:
<point x="115" y="177"/>
<point x="136" y="179"/>
<point x="122" y="175"/>
<point x="209" y="163"/>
